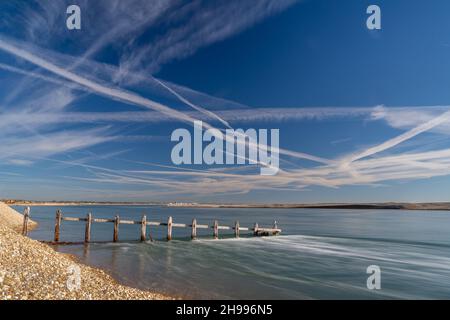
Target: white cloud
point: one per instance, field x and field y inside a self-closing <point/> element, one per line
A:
<point x="38" y="115"/>
<point x="201" y="24"/>
<point x="48" y="144"/>
<point x="409" y="117"/>
<point x="20" y="162"/>
<point x="122" y="95"/>
<point x="424" y="127"/>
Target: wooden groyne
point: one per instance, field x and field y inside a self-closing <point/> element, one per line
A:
<point x="256" y="230"/>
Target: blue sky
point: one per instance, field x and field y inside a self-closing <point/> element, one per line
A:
<point x="87" y="114"/>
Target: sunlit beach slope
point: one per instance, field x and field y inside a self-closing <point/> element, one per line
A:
<point x="12" y="219"/>
<point x="33" y="270"/>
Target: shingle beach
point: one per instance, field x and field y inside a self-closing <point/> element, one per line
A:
<point x="33" y="270"/>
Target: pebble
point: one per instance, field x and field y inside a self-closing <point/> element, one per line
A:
<point x="33" y="270"/>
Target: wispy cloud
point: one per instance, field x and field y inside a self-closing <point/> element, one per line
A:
<point x="408" y="117"/>
<point x="188" y="26"/>
<point x="33" y="114"/>
<point x="330" y="175"/>
<point x="199" y="24"/>
<point x="363" y="171"/>
<point x="424" y="127"/>
<point x="51" y="143"/>
<point x="20" y="162"/>
<point x="129" y="97"/>
<point x="108" y="91"/>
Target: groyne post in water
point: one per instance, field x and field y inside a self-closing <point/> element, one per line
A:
<point x="255" y="229"/>
<point x="26" y="217"/>
<point x="216" y="229"/>
<point x="194" y="229"/>
<point x="87" y="234"/>
<point x="57" y="225"/>
<point x="144" y="228"/>
<point x="116" y="229"/>
<point x="169" y="228"/>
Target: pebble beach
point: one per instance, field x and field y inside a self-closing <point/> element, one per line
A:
<point x="30" y="270"/>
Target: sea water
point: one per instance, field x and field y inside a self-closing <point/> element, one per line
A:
<point x="321" y="253"/>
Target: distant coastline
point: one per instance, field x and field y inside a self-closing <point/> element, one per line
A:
<point x="349" y="206"/>
<point x="75" y="203"/>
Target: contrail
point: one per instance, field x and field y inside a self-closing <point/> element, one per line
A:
<point x="104" y="90"/>
<point x="128" y="97"/>
<point x="200" y="109"/>
<point x="39" y="76"/>
<point x="213" y="115"/>
<point x="403" y="137"/>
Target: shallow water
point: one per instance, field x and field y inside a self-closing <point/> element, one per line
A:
<point x="321" y="254"/>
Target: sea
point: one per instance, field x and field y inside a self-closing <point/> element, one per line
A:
<point x="320" y="254"/>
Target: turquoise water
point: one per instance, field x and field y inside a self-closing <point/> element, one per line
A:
<point x="321" y="254"/>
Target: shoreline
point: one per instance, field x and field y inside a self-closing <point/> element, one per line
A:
<point x="441" y="206"/>
<point x="77" y="204"/>
<point x="33" y="270"/>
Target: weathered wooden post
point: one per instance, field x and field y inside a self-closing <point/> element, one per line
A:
<point x="255" y="229"/>
<point x="194" y="229"/>
<point x="57" y="224"/>
<point x="144" y="228"/>
<point x="216" y="229"/>
<point x="275" y="226"/>
<point x="236" y="229"/>
<point x="87" y="234"/>
<point x="169" y="228"/>
<point x="116" y="228"/>
<point x="26" y="216"/>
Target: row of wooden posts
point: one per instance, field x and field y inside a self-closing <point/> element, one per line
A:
<point x="257" y="230"/>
